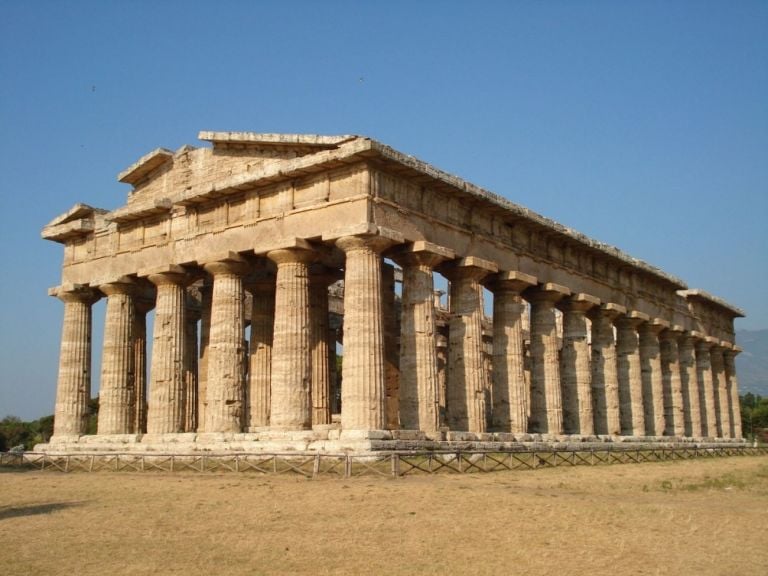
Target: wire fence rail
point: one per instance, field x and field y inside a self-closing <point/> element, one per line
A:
<point x="393" y="464"/>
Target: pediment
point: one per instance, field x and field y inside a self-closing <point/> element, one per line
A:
<point x="77" y="221"/>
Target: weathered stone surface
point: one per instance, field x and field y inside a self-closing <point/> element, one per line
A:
<point x="419" y="408"/>
<point x="674" y="418"/>
<point x="510" y="409"/>
<point x="225" y="390"/>
<point x="198" y="224"/>
<point x="363" y="391"/>
<point x="605" y="380"/>
<point x="689" y="380"/>
<point x="291" y="401"/>
<point x="546" y="401"/>
<point x="166" y="389"/>
<point x="73" y="388"/>
<point x="631" y="410"/>
<point x="575" y="373"/>
<point x="260" y="352"/>
<point x="467" y="380"/>
<point x="117" y="394"/>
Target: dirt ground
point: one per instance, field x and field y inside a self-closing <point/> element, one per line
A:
<point x="697" y="517"/>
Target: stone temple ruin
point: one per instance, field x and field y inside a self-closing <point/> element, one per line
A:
<point x="262" y="253"/>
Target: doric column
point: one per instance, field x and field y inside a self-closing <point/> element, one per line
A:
<point x="166" y="389"/>
<point x="206" y="294"/>
<point x="510" y="413"/>
<point x="467" y="381"/>
<point x="722" y="415"/>
<point x="689" y="381"/>
<point x="141" y="307"/>
<point x="258" y="394"/>
<point x="653" y="375"/>
<point x="334" y="390"/>
<point x="362" y="391"/>
<point x="391" y="321"/>
<point x="442" y="377"/>
<point x="546" y="400"/>
<point x="225" y="389"/>
<point x="605" y="382"/>
<point x="419" y="406"/>
<point x="631" y="409"/>
<point x="291" y="355"/>
<point x="319" y="280"/>
<point x="706" y="391"/>
<point x="73" y="387"/>
<point x="117" y="394"/>
<point x="575" y="372"/>
<point x="191" y="318"/>
<point x="732" y="384"/>
<point x="674" y="404"/>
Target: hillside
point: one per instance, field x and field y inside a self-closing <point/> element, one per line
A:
<point x="752" y="364"/>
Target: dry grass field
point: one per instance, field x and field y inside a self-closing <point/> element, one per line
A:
<point x="696" y="517"/>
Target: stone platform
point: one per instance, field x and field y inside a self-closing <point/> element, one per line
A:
<point x="335" y="441"/>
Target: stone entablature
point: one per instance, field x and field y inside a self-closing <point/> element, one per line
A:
<point x="200" y="221"/>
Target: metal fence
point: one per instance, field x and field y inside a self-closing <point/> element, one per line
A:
<point x="388" y="464"/>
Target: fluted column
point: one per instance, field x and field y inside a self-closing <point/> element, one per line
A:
<point x="419" y="407"/>
<point x="706" y="390"/>
<point x="319" y="280"/>
<point x="225" y="389"/>
<point x="141" y="307"/>
<point x="73" y="387"/>
<point x="546" y="399"/>
<point x="653" y="375"/>
<point x="391" y="321"/>
<point x="732" y="383"/>
<point x="674" y="404"/>
<point x="722" y="414"/>
<point x="631" y="410"/>
<point x="510" y="412"/>
<point x="575" y="372"/>
<point x="117" y="393"/>
<point x="206" y="294"/>
<point x="689" y="381"/>
<point x="260" y="351"/>
<point x="362" y="391"/>
<point x="442" y="377"/>
<point x="166" y="390"/>
<point x="191" y="318"/>
<point x="605" y="382"/>
<point x="467" y="381"/>
<point x="291" y="355"/>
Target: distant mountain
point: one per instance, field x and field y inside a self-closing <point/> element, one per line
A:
<point x="752" y="363"/>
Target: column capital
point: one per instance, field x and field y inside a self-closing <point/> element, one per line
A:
<point x="423" y="253"/>
<point x="633" y="319"/>
<point x="123" y="285"/>
<point x="579" y="302"/>
<point x="377" y="243"/>
<point x="292" y="255"/>
<point x="546" y="292"/>
<point x="228" y="263"/>
<point x="165" y="275"/>
<point x="468" y="267"/>
<point x="75" y="293"/>
<point x="656" y="326"/>
<point x="511" y="281"/>
<point x="608" y="310"/>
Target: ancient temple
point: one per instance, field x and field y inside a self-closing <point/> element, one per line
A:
<point x="260" y="256"/>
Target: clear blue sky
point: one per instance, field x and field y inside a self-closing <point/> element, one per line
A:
<point x="642" y="124"/>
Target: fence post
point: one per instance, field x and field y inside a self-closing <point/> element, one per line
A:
<point x="316" y="466"/>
